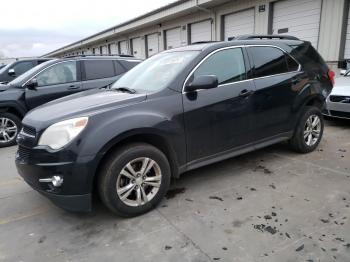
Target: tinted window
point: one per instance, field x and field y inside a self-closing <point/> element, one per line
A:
<point x="227" y="65"/>
<point x="58" y="74"/>
<point x="97" y="69"/>
<point x="268" y="61"/>
<point x="292" y="65"/>
<point x="128" y="64"/>
<point x="308" y="57"/>
<point x="118" y="68"/>
<point x="22" y="67"/>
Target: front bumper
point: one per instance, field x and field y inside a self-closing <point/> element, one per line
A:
<point x="75" y="192"/>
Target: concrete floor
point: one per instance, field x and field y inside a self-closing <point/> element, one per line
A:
<point x="269" y="205"/>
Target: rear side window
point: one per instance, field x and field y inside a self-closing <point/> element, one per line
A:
<point x="308" y="57"/>
<point x="228" y="65"/>
<point x="128" y="64"/>
<point x="292" y="65"/>
<point x="97" y="69"/>
<point x="268" y="61"/>
<point x="60" y="73"/>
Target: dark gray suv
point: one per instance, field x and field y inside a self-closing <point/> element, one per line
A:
<point x="12" y="70"/>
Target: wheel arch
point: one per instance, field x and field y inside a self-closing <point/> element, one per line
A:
<point x="137" y="136"/>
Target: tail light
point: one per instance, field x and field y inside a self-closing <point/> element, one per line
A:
<point x="331" y="76"/>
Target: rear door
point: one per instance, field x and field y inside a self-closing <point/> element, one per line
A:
<point x="219" y="119"/>
<point x="99" y="73"/>
<point x="56" y="81"/>
<point x="278" y="81"/>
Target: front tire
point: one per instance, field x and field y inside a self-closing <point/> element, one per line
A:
<point x="134" y="179"/>
<point x="309" y="131"/>
<point x="10" y="126"/>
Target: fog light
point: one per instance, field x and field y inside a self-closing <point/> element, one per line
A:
<point x="56" y="181"/>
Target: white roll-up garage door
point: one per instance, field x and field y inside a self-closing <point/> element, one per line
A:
<point x="200" y="31"/>
<point x="240" y="23"/>
<point x="97" y="51"/>
<point x="300" y="18"/>
<point x="104" y="50"/>
<point x="136" y="47"/>
<point x="152" y="44"/>
<point x="173" y="38"/>
<point x="347" y="41"/>
<point x="113" y="49"/>
<point x="123" y="47"/>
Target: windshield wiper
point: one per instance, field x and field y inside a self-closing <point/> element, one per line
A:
<point x="125" y="89"/>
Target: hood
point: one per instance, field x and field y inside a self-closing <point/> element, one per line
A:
<point x="342" y="86"/>
<point x="82" y="104"/>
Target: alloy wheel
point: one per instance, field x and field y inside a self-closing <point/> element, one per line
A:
<point x="312" y="130"/>
<point x="139" y="181"/>
<point x="8" y="130"/>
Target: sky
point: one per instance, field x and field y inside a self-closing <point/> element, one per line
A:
<point x="36" y="27"/>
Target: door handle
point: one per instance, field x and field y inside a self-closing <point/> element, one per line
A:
<point x="245" y="93"/>
<point x="73" y="87"/>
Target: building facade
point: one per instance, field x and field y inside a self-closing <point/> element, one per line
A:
<point x="325" y="23"/>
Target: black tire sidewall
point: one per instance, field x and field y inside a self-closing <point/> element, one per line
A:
<point x="18" y="123"/>
<point x="112" y="172"/>
<point x="303" y="147"/>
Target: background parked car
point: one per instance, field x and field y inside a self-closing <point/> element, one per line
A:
<point x="338" y="102"/>
<point x="3" y="65"/>
<point x="52" y="80"/>
<point x="10" y="71"/>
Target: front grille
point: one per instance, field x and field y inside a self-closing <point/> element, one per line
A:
<point x="340" y="114"/>
<point x="28" y="130"/>
<point x="23" y="153"/>
<point x="340" y="99"/>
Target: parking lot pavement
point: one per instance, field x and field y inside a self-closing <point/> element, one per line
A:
<point x="269" y="205"/>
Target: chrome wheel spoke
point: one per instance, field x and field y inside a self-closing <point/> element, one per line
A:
<point x="11" y="129"/>
<point x="148" y="168"/>
<point x="312" y="130"/>
<point x="124" y="189"/>
<point x="127" y="174"/>
<point x="138" y="196"/>
<point x="130" y="169"/>
<point x="154" y="184"/>
<point x="127" y="193"/>
<point x="144" y="195"/>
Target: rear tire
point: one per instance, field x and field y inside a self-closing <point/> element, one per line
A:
<point x="134" y="179"/>
<point x="309" y="130"/>
<point x="10" y="126"/>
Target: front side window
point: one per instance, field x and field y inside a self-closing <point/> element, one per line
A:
<point x="228" y="65"/>
<point x="268" y="61"/>
<point x="98" y="69"/>
<point x="58" y="74"/>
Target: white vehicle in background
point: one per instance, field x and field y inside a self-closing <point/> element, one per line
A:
<point x="338" y="102"/>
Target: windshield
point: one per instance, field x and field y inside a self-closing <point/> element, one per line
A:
<point x="155" y="73"/>
<point x="24" y="76"/>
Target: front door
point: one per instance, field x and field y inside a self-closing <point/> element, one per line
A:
<point x="219" y="119"/>
<point x="56" y="81"/>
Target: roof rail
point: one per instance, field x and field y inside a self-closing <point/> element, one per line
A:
<point x="203" y="42"/>
<point x="261" y="37"/>
<point x="108" y="55"/>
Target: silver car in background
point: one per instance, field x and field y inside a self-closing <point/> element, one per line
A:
<point x="338" y="102"/>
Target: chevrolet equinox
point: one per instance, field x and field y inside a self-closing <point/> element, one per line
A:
<point x="179" y="110"/>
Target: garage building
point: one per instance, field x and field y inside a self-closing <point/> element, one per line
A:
<point x="325" y="23"/>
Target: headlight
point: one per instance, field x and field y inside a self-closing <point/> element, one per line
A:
<point x="60" y="134"/>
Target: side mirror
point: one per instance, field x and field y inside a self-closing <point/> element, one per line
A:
<point x="11" y="72"/>
<point x="202" y="82"/>
<point x="32" y="84"/>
